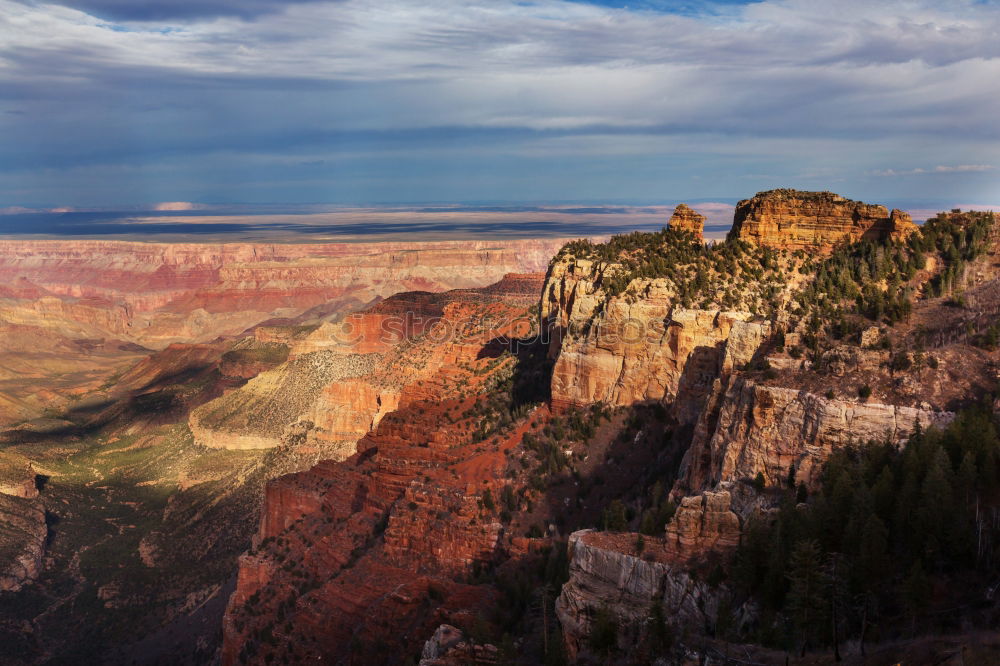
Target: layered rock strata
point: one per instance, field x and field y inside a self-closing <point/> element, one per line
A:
<point x="381" y="540"/>
<point x="154" y="294"/>
<point x="796" y="220"/>
<point x="686" y="219"/>
<point x="770" y="430"/>
<point x="336" y="387"/>
<point x="607" y="576"/>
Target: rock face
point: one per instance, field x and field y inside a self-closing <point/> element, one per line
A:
<point x="703" y="523"/>
<point x="796" y="220"/>
<point x="623" y="352"/>
<point x="22" y="523"/>
<point x="769" y="429"/>
<point x="22" y="541"/>
<point x="17" y="477"/>
<point x="604" y="576"/>
<point x="686" y="219"/>
<point x="381" y="539"/>
<point x="449" y="647"/>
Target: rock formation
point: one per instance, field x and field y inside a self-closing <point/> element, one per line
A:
<point x="22" y="523"/>
<point x="795" y="220"/>
<point x="703" y="524"/>
<point x="769" y="429"/>
<point x="606" y="575"/>
<point x="384" y="536"/>
<point x="157" y="293"/>
<point x="621" y="352"/>
<point x="686" y="219"/>
<point x="334" y="395"/>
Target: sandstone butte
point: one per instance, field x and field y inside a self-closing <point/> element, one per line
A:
<point x="686" y="219"/>
<point x="389" y="536"/>
<point x="796" y="220"/>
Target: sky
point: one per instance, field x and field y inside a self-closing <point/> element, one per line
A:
<point x="108" y="103"/>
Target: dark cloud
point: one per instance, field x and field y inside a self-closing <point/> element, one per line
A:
<point x="476" y="97"/>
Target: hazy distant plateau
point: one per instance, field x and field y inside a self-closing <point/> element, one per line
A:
<point x="424" y="223"/>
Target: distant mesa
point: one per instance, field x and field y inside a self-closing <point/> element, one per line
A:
<point x="687" y="219"/>
<point x="796" y="220"/>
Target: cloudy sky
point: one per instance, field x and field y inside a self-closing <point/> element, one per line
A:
<point x="123" y="102"/>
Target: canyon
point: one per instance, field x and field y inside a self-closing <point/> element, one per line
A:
<point x="561" y="454"/>
<point x="108" y="477"/>
<point x="75" y="313"/>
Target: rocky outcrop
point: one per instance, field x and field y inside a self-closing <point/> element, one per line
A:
<point x="17" y="477"/>
<point x="703" y="524"/>
<point x="263" y="412"/>
<point x="769" y="429"/>
<point x="449" y="647"/>
<point x="334" y="395"/>
<point x="22" y="540"/>
<point x="621" y="352"/>
<point x="606" y="575"/>
<point x="22" y="523"/>
<point x="686" y="219"/>
<point x="795" y="220"/>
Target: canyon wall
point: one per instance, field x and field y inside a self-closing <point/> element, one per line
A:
<point x="770" y="429"/>
<point x="334" y="389"/>
<point x="74" y="314"/>
<point x="386" y="538"/>
<point x="153" y="294"/>
<point x="607" y="575"/>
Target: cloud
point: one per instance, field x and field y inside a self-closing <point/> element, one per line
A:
<point x="165" y="10"/>
<point x="221" y="102"/>
<point x="177" y="205"/>
<point x="959" y="168"/>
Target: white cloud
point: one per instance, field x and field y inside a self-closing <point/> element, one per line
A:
<point x="822" y="91"/>
<point x="958" y="168"/>
<point x="177" y="206"/>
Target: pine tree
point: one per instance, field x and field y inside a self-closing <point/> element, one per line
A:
<point x="806" y="595"/>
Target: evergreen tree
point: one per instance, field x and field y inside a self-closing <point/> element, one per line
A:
<point x="806" y="595"/>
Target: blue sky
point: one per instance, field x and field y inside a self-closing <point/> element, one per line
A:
<point x="125" y="102"/>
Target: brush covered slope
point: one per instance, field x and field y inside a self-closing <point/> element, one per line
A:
<point x="734" y="443"/>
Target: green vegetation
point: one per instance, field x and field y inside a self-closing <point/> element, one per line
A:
<point x="269" y="353"/>
<point x="727" y="275"/>
<point x="959" y="238"/>
<point x="890" y="536"/>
